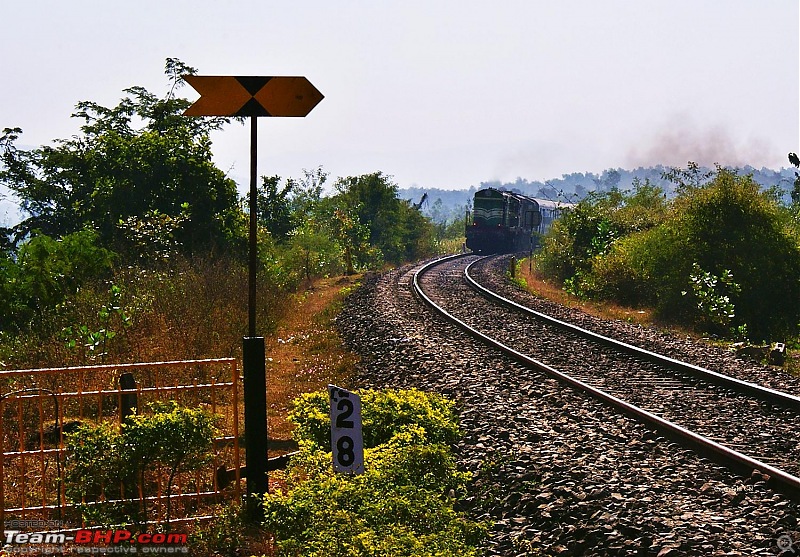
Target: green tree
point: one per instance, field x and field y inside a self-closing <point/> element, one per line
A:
<point x="315" y="251"/>
<point x="348" y="230"/>
<point x="151" y="237"/>
<point x="45" y="272"/>
<point x="307" y="192"/>
<point x="274" y="207"/>
<point x="396" y="228"/>
<point x="130" y="160"/>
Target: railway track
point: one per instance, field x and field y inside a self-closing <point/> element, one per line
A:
<point x="556" y="472"/>
<point x="741" y="425"/>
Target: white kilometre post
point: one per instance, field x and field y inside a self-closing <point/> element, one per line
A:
<point x="347" y="442"/>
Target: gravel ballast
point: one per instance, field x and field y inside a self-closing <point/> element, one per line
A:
<point x="555" y="471"/>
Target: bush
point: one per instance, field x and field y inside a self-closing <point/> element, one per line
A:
<point x="95" y="468"/>
<point x="727" y="226"/>
<point x="555" y="260"/>
<point x="402" y="505"/>
<point x="646" y="269"/>
<point x="621" y="276"/>
<point x="46" y="271"/>
<point x="712" y="295"/>
<point x="101" y="457"/>
<point x="731" y="224"/>
<point x="588" y="231"/>
<point x="384" y="413"/>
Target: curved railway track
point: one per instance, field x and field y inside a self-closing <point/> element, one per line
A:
<point x="555" y="471"/>
<point x="741" y="425"/>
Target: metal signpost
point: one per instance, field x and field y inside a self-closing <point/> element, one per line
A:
<point x="253" y="96"/>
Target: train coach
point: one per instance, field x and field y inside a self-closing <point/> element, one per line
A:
<point x="505" y="222"/>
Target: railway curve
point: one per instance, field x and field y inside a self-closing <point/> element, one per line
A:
<point x="738" y="425"/>
<point x="556" y="471"/>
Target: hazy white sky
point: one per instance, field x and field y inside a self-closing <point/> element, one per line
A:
<point x="437" y="93"/>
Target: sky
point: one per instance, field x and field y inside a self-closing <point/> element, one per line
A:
<point x="436" y="93"/>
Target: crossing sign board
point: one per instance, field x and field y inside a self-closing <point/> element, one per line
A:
<point x="224" y="95"/>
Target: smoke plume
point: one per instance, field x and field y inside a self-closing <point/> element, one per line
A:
<point x="681" y="142"/>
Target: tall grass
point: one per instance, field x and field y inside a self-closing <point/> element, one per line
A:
<point x="192" y="308"/>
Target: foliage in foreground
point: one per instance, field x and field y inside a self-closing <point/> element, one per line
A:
<point x="384" y="413"/>
<point x="101" y="456"/>
<point x="403" y="503"/>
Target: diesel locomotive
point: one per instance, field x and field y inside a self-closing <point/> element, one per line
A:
<point x="505" y="222"/>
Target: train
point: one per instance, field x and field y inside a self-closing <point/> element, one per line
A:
<point x="507" y="222"/>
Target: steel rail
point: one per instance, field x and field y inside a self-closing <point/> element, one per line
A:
<point x="734" y="460"/>
<point x="760" y="392"/>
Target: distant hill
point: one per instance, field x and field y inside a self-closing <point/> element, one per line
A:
<point x="447" y="205"/>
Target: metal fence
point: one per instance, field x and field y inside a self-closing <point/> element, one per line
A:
<point x="40" y="408"/>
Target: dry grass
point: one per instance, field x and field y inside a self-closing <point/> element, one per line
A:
<point x="305" y="354"/>
<point x="192" y="310"/>
<point x="539" y="286"/>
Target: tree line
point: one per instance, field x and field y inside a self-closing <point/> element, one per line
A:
<point x="135" y="196"/>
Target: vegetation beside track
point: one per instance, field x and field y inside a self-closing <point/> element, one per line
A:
<point x="402" y="505"/>
<point x="722" y="257"/>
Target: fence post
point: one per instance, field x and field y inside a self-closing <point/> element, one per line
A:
<point x="128" y="401"/>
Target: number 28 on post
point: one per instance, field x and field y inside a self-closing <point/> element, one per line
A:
<point x="347" y="443"/>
